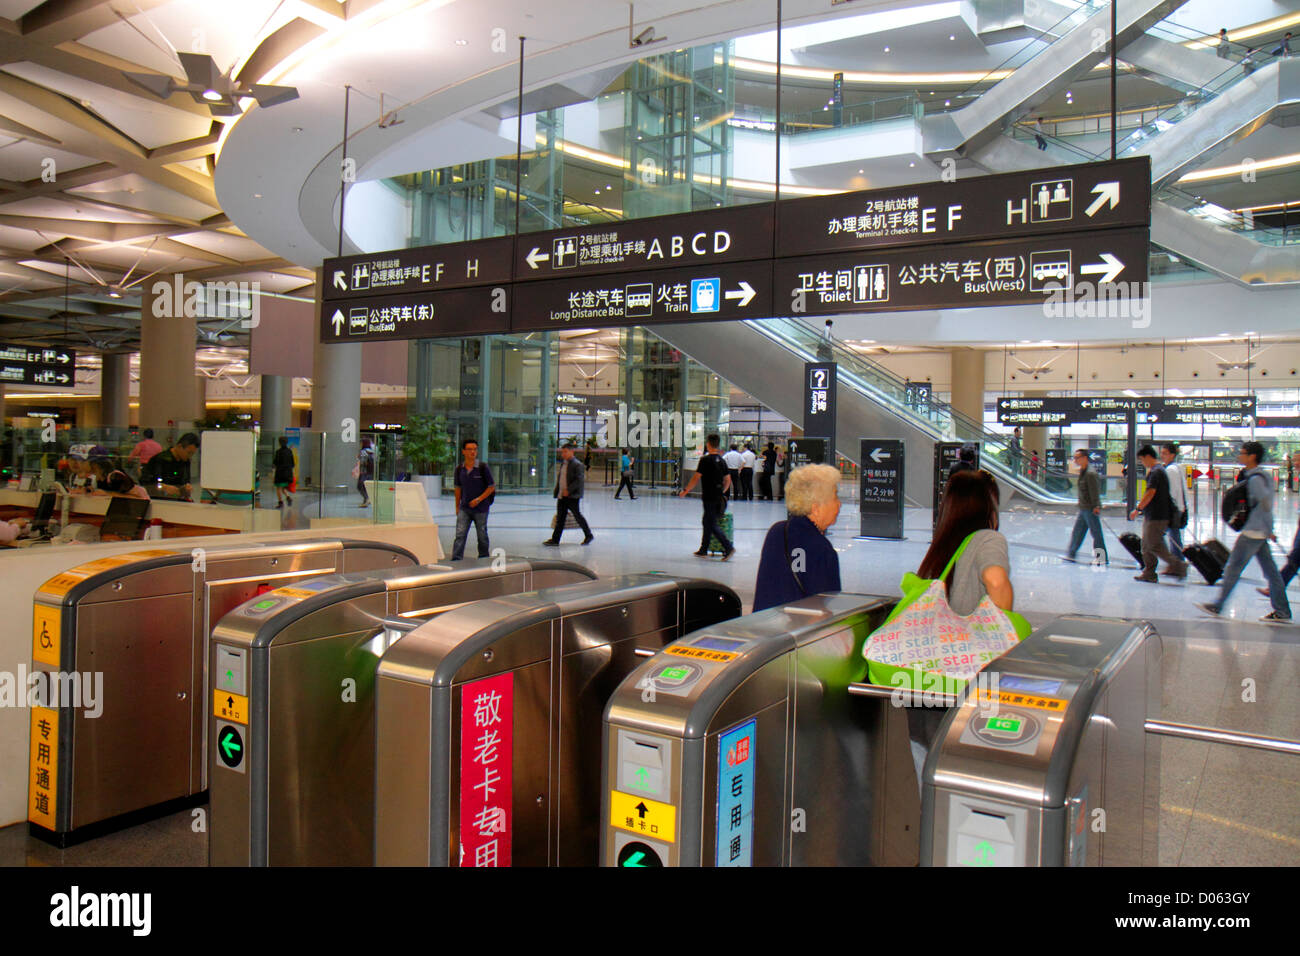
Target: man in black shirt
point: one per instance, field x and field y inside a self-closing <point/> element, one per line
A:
<point x="1157" y="510"/>
<point x="769" y="469"/>
<point x="168" y="472"/>
<point x="714" y="479"/>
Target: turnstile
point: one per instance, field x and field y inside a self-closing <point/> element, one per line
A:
<point x="740" y="745"/>
<point x="293" y="720"/>
<point x="135" y="627"/>
<point x="1061" y="772"/>
<point x="488" y="718"/>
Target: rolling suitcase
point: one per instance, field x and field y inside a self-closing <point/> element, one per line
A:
<point x="1208" y="558"/>
<point x="1133" y="545"/>
<point x="728" y="528"/>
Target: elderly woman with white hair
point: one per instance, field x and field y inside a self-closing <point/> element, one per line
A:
<point x="797" y="559"/>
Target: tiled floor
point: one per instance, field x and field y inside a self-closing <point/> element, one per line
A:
<point x="1219" y="804"/>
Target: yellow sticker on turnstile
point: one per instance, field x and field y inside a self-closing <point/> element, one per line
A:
<point x="47" y="624"/>
<point x="65" y="581"/>
<point x="639" y="815"/>
<point x="43" y="780"/>
<point x="701" y="653"/>
<point x="228" y="706"/>
<point x="1025" y="700"/>
<point x="298" y="593"/>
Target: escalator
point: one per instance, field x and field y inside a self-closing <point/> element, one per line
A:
<point x="870" y="402"/>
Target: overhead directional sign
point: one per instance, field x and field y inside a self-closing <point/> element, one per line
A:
<point x="1071" y="198"/>
<point x="449" y="266"/>
<point x="698" y="294"/>
<point x="964" y="275"/>
<point x="36" y="365"/>
<point x="483" y="311"/>
<point x="716" y="235"/>
<point x="1102" y="410"/>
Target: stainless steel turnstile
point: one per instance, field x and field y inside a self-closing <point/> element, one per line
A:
<point x="1061" y="772"/>
<point x="488" y="718"/>
<point x="739" y="745"/>
<point x="139" y="622"/>
<point x="293" y="720"/>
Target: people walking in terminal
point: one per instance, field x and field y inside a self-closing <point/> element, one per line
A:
<point x="1284" y="48"/>
<point x="782" y="471"/>
<point x="1288" y="570"/>
<point x="569" y="478"/>
<point x="1089" y="518"/>
<point x="625" y="479"/>
<point x="1013" y="450"/>
<point x="797" y="560"/>
<point x="747" y="459"/>
<point x="144" y="449"/>
<point x="1248" y="62"/>
<point x="733" y="460"/>
<point x="1252" y="542"/>
<point x="474" y="490"/>
<point x="714" y="479"/>
<point x="965" y="461"/>
<point x="1038" y="134"/>
<point x="1224" y="47"/>
<point x="168" y="472"/>
<point x="364" y="470"/>
<point x="1033" y="465"/>
<point x="1156" y="508"/>
<point x="1178" y="493"/>
<point x="283" y="463"/>
<point x="765" y="476"/>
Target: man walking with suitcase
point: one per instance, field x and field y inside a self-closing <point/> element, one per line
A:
<point x="1089" y="518"/>
<point x="1156" y="508"/>
<point x="714" y="479"/>
<point x="1252" y="542"/>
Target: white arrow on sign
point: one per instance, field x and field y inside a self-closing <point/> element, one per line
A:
<point x="63" y="379"/>
<point x="1108" y="268"/>
<point x="878" y="456"/>
<point x="745" y="293"/>
<point x="535" y="256"/>
<point x="1105" y="193"/>
<point x="338" y="321"/>
<point x="340" y="281"/>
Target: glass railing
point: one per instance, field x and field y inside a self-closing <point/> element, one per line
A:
<point x="937" y="418"/>
<point x="105" y="461"/>
<point x="874" y="110"/>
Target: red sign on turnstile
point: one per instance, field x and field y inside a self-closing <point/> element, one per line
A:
<point x="487" y="709"/>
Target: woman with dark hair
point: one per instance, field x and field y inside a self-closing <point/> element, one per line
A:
<point x="970" y="510"/>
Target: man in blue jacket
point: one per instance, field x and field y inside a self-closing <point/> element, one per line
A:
<point x="1252" y="542"/>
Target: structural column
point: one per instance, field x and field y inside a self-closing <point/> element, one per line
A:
<point x="115" y="390"/>
<point x="1034" y="439"/>
<point x="967" y="378"/>
<point x="336" y="404"/>
<point x="276" y="404"/>
<point x="167" y="341"/>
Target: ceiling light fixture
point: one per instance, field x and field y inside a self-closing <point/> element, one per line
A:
<point x="209" y="86"/>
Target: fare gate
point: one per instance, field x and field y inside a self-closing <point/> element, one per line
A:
<point x="488" y="718"/>
<point x="1018" y="784"/>
<point x="136" y="625"/>
<point x="739" y="745"/>
<point x="293" y="712"/>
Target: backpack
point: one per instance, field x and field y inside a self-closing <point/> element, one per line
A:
<point x="1236" y="505"/>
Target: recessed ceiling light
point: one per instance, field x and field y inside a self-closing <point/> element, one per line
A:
<point x="461" y="42"/>
<point x="952" y="36"/>
<point x="911" y="165"/>
<point x="257" y="195"/>
<point x="859" y="172"/>
<point x="886" y="49"/>
<point x="947" y="102"/>
<point x="297" y="129"/>
<point x="211" y="95"/>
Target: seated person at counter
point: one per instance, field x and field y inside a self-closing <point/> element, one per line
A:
<point x="10" y="530"/>
<point x="797" y="559"/>
<point x="110" y="480"/>
<point x="168" y="472"/>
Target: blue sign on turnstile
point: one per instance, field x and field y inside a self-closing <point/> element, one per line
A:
<point x="736" y="755"/>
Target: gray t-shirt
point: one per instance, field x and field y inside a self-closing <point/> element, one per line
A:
<point x="987" y="549"/>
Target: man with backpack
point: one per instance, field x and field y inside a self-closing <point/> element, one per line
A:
<point x="1178" y="493"/>
<point x="1156" y="508"/>
<point x="1248" y="508"/>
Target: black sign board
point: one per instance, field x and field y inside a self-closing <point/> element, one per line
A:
<point x="37" y="365"/>
<point x="732" y="234"/>
<point x="947" y="454"/>
<point x="1099" y="410"/>
<point x="1087" y="196"/>
<point x="1278" y="421"/>
<point x="918" y="395"/>
<point x="819" y="379"/>
<point x="423" y="269"/>
<point x="421" y="315"/>
<point x="698" y="294"/>
<point x="881" y="489"/>
<point x="566" y="403"/>
<point x="1041" y="269"/>
<point x="804" y="451"/>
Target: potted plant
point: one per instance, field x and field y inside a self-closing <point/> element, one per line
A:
<point x="428" y="451"/>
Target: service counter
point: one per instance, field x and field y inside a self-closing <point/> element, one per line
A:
<point x="180" y="518"/>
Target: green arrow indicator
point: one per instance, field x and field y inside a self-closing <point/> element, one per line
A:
<point x="230" y="745"/>
<point x="230" y="676"/>
<point x="984" y="854"/>
<point x="642" y="776"/>
<point x="635" y="860"/>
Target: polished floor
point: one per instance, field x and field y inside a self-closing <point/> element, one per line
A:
<point x="1220" y="805"/>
